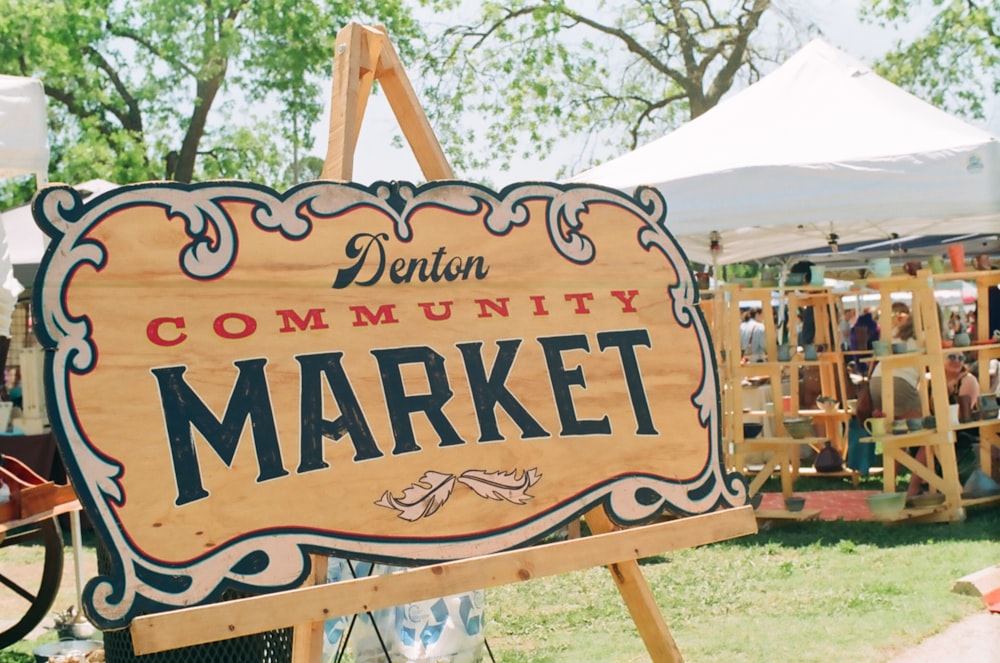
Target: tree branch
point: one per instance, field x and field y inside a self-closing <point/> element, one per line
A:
<point x="130" y="119"/>
<point x="131" y="35"/>
<point x="78" y="109"/>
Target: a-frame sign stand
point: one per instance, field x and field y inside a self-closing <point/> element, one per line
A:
<point x="364" y="54"/>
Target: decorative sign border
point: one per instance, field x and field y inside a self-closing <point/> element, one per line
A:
<point x="278" y="559"/>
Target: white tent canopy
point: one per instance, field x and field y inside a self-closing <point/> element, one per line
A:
<point x="24" y="143"/>
<point x="24" y="150"/>
<point x="821" y="145"/>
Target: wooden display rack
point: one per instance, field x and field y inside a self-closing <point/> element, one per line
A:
<point x="983" y="348"/>
<point x="941" y="471"/>
<point x="781" y="451"/>
<point x="364" y="54"/>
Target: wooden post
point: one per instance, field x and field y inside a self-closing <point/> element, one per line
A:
<point x="307" y="637"/>
<point x="638" y="598"/>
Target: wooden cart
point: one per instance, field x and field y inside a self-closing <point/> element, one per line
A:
<point x="31" y="515"/>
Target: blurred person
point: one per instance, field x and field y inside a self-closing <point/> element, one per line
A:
<point x="744" y="332"/>
<point x="955" y="324"/>
<point x="844" y="327"/>
<point x="905" y="379"/>
<point x="756" y="348"/>
<point x="864" y="332"/>
<point x="807" y="323"/>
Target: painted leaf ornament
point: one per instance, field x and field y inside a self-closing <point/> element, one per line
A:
<point x="501" y="485"/>
<point x="421" y="499"/>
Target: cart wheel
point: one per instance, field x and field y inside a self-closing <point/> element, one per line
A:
<point x="38" y="601"/>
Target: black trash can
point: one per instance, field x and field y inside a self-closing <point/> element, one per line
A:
<point x="267" y="647"/>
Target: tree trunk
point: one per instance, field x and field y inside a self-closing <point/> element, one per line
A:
<point x="207" y="90"/>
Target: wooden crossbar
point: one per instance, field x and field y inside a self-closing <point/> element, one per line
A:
<point x="221" y="621"/>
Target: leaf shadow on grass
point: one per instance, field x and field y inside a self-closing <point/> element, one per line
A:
<point x="979" y="525"/>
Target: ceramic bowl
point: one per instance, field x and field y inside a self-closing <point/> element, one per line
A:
<point x="827" y="404"/>
<point x="795" y="503"/>
<point x="799" y="427"/>
<point x="886" y="504"/>
<point x="751" y="430"/>
<point x="65" y="648"/>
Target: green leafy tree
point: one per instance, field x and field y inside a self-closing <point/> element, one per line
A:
<point x="954" y="63"/>
<point x="529" y="73"/>
<point x="183" y="89"/>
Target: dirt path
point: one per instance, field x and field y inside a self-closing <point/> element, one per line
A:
<point x="975" y="639"/>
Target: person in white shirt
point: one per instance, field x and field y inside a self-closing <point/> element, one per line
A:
<point x="755" y="349"/>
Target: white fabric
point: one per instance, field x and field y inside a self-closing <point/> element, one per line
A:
<point x="24" y="142"/>
<point x="820" y="145"/>
<point x="25" y="239"/>
<point x="10" y="288"/>
<point x="24" y="150"/>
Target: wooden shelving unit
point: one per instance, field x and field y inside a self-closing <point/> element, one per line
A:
<point x="781" y="452"/>
<point x="941" y="469"/>
<point x="984" y="349"/>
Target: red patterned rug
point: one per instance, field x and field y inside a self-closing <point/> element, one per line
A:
<point x="832" y="504"/>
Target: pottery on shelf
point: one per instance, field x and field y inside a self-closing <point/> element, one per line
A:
<point x="799" y="427"/>
<point x="795" y="503"/>
<point x="886" y="504"/>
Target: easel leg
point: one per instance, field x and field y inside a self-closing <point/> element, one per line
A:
<point x="307" y="639"/>
<point x="639" y="599"/>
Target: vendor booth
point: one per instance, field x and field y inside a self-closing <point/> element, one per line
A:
<point x="824" y="161"/>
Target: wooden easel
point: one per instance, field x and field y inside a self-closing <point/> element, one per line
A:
<point x="364" y="54"/>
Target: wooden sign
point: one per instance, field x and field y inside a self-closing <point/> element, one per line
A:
<point x="238" y="377"/>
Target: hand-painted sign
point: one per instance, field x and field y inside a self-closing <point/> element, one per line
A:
<point x="391" y="372"/>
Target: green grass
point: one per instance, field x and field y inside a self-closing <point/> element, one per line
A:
<point x="856" y="591"/>
<point x="801" y="592"/>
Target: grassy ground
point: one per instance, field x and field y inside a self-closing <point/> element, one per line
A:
<point x="23" y="564"/>
<point x="802" y="592"/>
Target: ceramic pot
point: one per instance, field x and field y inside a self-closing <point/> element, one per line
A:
<point x="956" y="254"/>
<point x="875" y="426"/>
<point x="799" y="427"/>
<point x="880" y="267"/>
